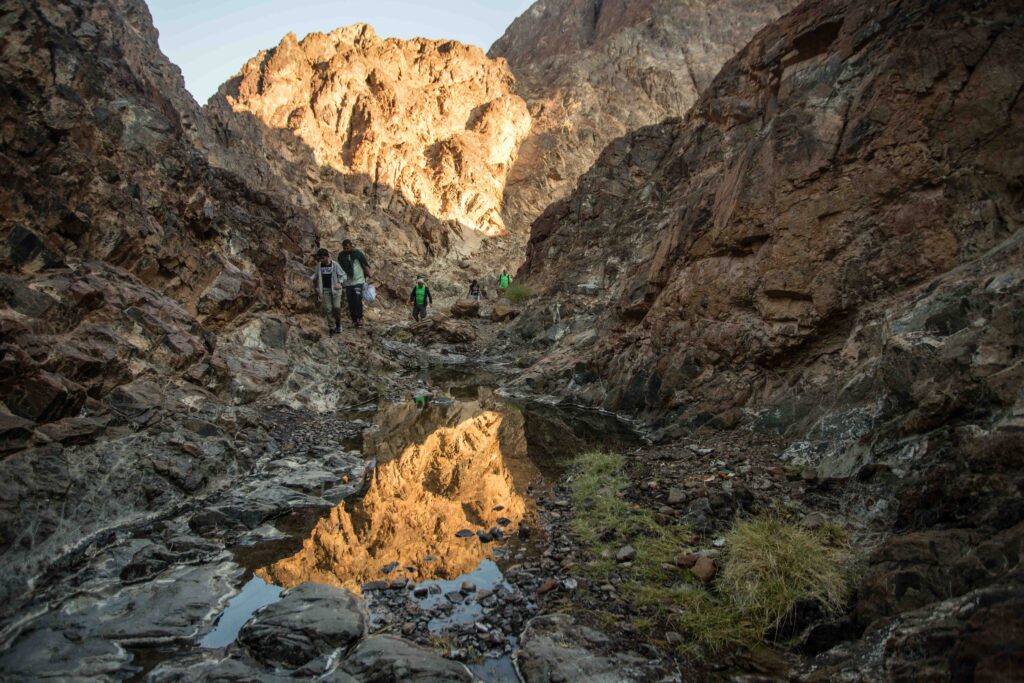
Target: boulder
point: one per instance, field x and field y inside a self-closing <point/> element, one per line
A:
<point x="465" y="309"/>
<point x="554" y="648"/>
<point x="387" y="658"/>
<point x="310" y="621"/>
<point x="502" y="312"/>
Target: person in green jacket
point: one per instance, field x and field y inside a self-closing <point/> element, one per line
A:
<point x="504" y="280"/>
<point x="420" y="299"/>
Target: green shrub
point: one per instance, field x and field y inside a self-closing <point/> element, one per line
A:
<point x="517" y="293"/>
<point x="771" y="565"/>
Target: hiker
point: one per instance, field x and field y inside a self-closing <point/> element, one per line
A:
<point x="357" y="270"/>
<point x="329" y="279"/>
<point x="420" y="299"/>
<point x="504" y="280"/>
<point x="474" y="290"/>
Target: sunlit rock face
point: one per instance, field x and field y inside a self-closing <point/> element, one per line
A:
<point x="440" y="470"/>
<point x="435" y="124"/>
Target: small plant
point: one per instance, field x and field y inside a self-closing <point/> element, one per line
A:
<point x="772" y="565"/>
<point x="768" y="565"/>
<point x="517" y="293"/>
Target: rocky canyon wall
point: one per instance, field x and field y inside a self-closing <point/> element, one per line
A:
<point x="145" y="290"/>
<point x="593" y="70"/>
<point x="820" y="200"/>
<point x="403" y="145"/>
<point x="828" y="247"/>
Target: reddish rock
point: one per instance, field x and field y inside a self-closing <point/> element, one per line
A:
<point x="687" y="560"/>
<point x="44" y="396"/>
<point x="704" y="569"/>
<point x="72" y="430"/>
<point x="466" y="309"/>
<point x="502" y="312"/>
<point x="548" y="586"/>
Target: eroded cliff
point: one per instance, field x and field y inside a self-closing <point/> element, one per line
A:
<point x="828" y="248"/>
<point x="593" y="70"/>
<point x="403" y="145"/>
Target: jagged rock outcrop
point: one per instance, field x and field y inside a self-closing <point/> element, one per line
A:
<point x="403" y="145"/>
<point x="138" y="282"/>
<point x="829" y="246"/>
<point x="593" y="70"/>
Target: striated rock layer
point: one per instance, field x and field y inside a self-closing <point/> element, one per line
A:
<point x="137" y="282"/>
<point x="403" y="145"/>
<point x="829" y="246"/>
<point x="593" y="70"/>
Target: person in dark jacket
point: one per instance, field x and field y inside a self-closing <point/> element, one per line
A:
<point x="474" y="290"/>
<point x="420" y="299"/>
<point x="357" y="272"/>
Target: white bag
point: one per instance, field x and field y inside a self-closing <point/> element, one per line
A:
<point x="369" y="293"/>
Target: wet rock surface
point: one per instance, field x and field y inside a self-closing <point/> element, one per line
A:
<point x="311" y="620"/>
<point x="386" y="658"/>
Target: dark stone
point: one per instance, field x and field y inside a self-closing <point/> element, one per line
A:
<point x="387" y="658"/>
<point x="43" y="396"/>
<point x="310" y="621"/>
<point x="15" y="432"/>
<point x="24" y="245"/>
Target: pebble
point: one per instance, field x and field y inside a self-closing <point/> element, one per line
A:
<point x="463" y="533"/>
<point x="468" y="587"/>
<point x="548" y="586"/>
<point x="625" y="553"/>
<point x="704" y="569"/>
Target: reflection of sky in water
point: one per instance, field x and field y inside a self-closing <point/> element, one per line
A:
<point x="486" y="577"/>
<point x="255" y="594"/>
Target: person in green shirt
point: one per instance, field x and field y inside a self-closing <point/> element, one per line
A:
<point x="504" y="280"/>
<point x="420" y="299"/>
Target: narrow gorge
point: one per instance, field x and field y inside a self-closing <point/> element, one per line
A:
<point x="751" y="409"/>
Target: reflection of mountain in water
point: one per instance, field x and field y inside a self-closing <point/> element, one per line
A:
<point x="441" y="469"/>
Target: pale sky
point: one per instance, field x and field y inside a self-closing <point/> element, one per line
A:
<point x="211" y="39"/>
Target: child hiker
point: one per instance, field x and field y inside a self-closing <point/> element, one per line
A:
<point x="328" y="279"/>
